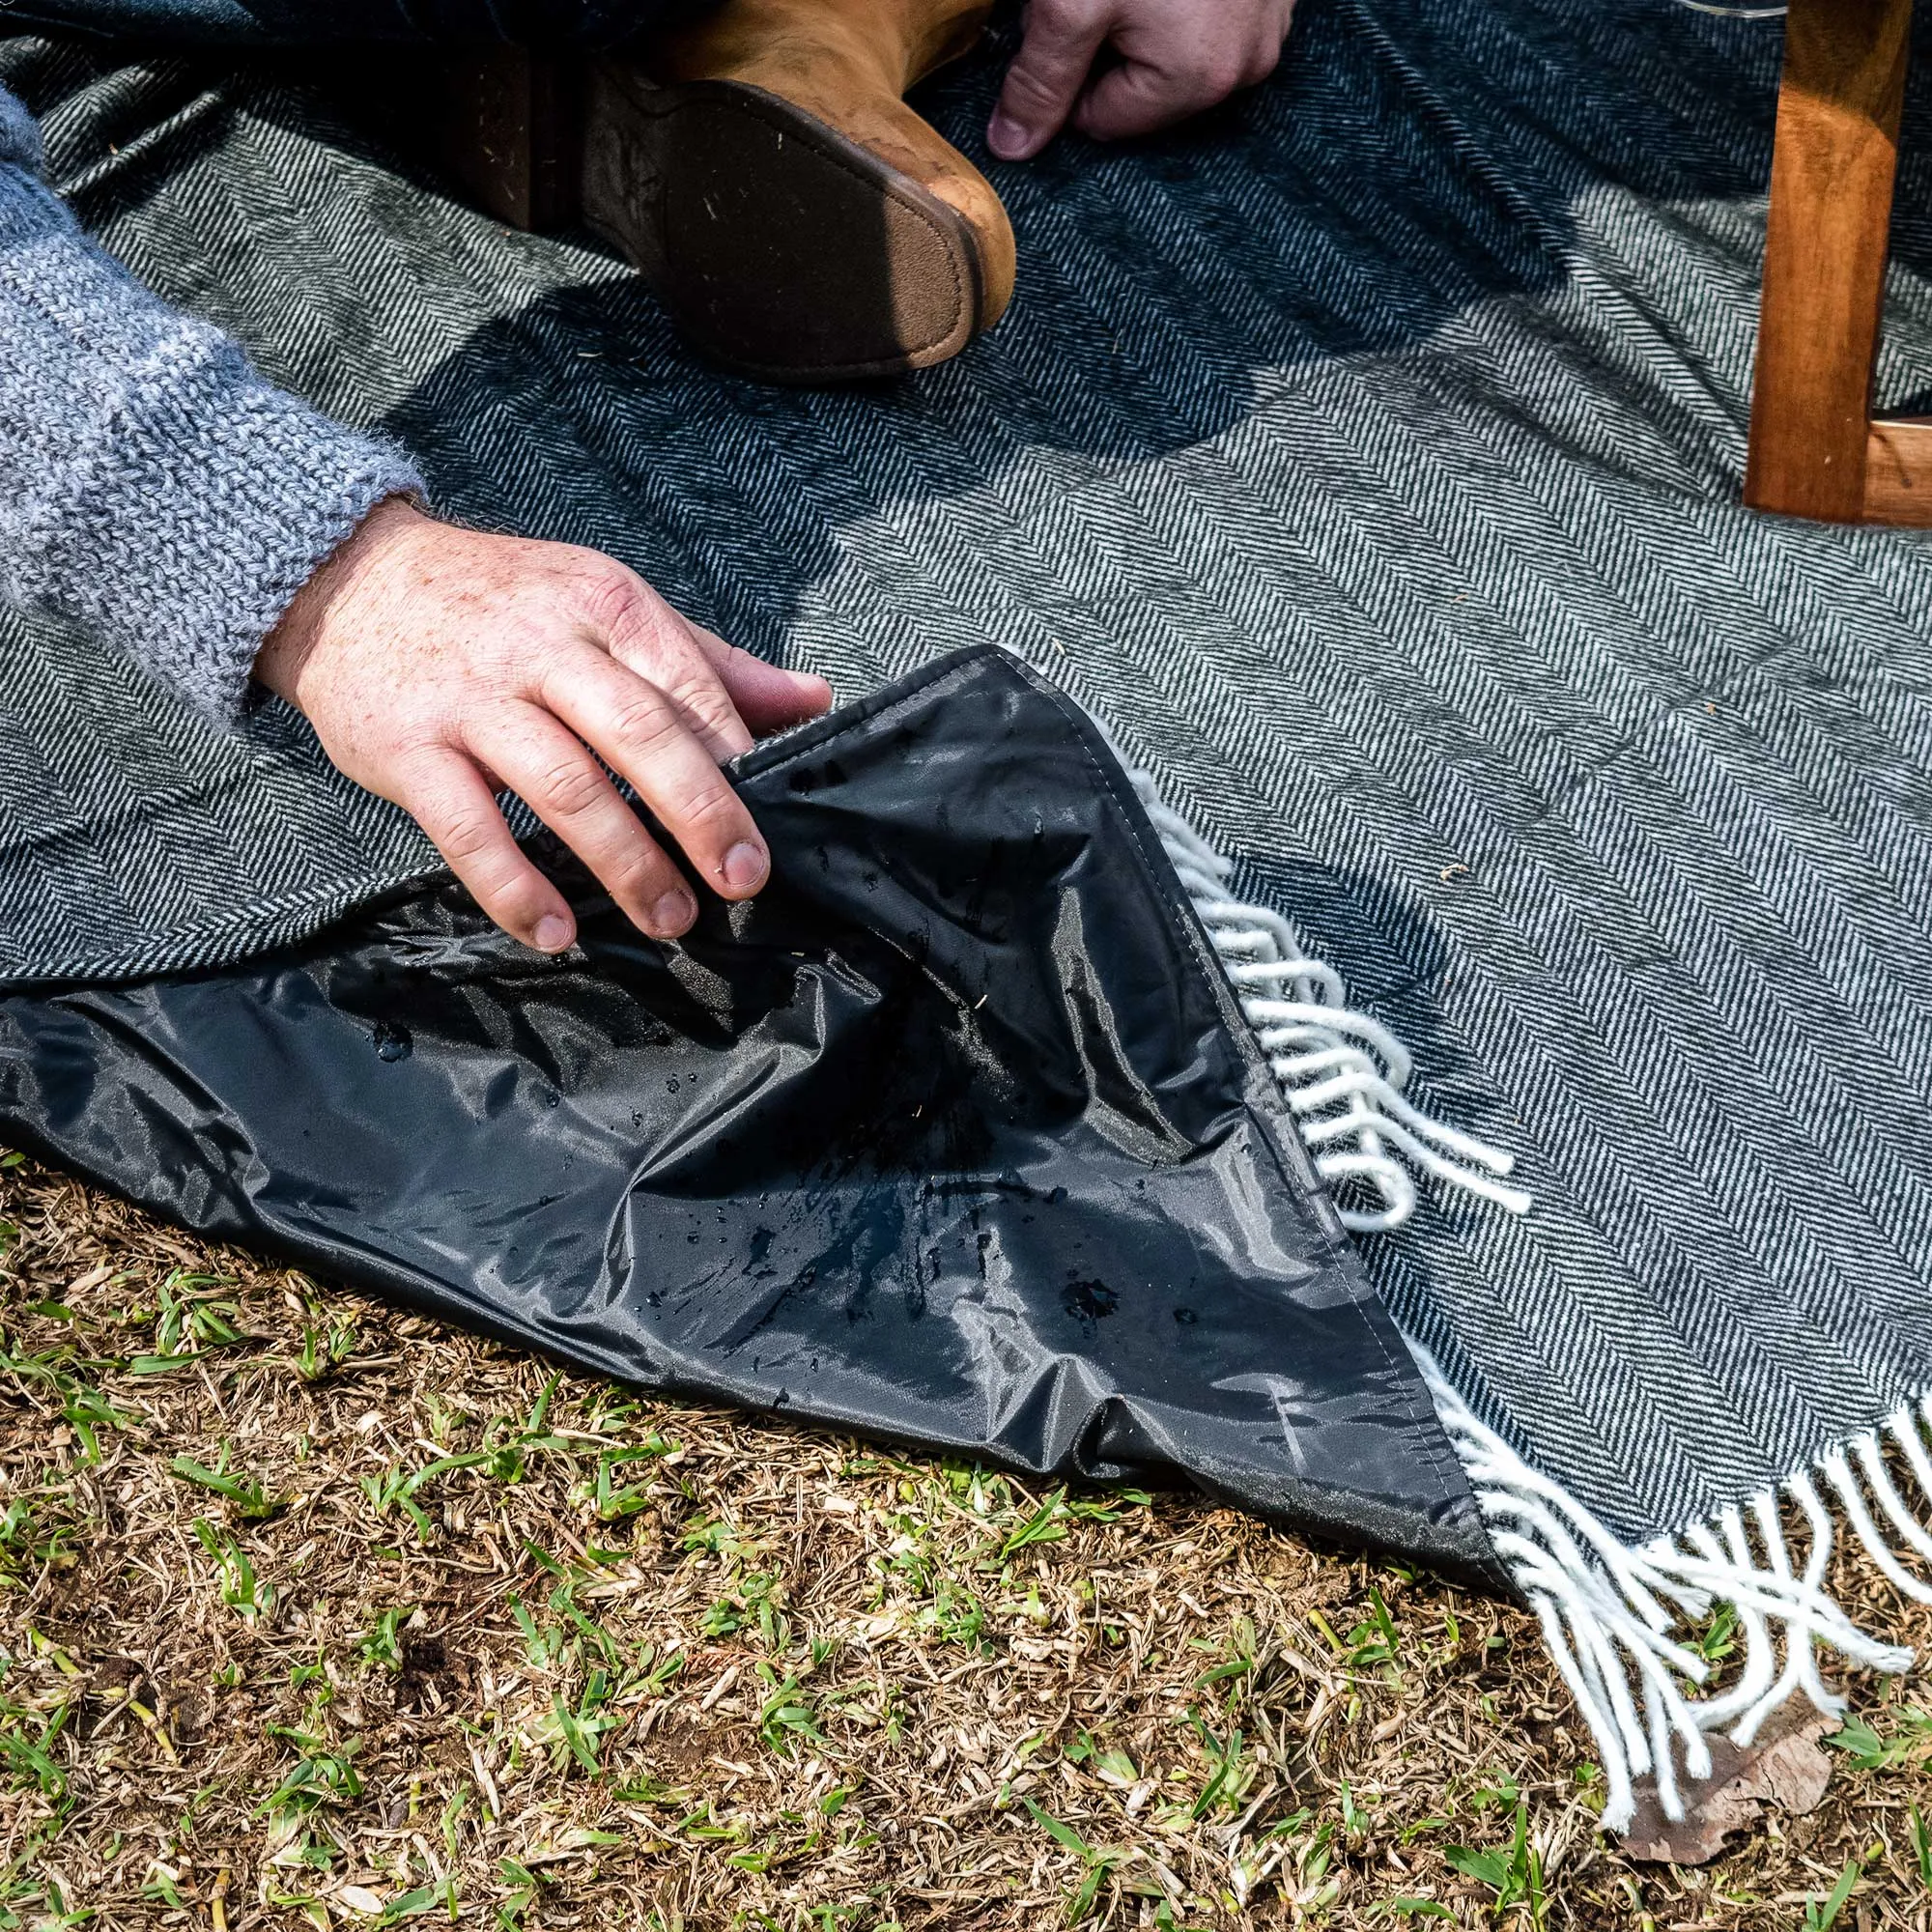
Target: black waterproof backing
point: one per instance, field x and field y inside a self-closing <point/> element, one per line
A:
<point x="954" y="1136"/>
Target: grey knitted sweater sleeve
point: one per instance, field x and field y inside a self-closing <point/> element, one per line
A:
<point x="153" y="489"/>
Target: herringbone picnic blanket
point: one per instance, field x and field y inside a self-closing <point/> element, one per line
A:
<point x="1367" y="456"/>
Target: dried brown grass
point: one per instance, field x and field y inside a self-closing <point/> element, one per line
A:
<point x="761" y="1676"/>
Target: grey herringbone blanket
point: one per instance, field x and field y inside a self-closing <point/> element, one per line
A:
<point x="1368" y="457"/>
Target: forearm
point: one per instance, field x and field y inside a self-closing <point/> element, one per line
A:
<point x="153" y="488"/>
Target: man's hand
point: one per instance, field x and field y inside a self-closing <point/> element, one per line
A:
<point x="1172" y="58"/>
<point x="438" y="667"/>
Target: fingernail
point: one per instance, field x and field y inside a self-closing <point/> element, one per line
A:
<point x="1006" y="137"/>
<point x="553" y="934"/>
<point x="745" y="866"/>
<point x="672" y="914"/>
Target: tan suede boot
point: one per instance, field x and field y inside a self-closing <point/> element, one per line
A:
<point x="797" y="218"/>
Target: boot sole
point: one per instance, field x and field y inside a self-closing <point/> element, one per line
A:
<point x="780" y="248"/>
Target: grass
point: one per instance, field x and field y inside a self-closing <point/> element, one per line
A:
<point x="313" y="1612"/>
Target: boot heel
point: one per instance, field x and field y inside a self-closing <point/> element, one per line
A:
<point x="780" y="248"/>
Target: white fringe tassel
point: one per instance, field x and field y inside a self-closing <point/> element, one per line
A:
<point x="1607" y="1609"/>
<point x="1343" y="1072"/>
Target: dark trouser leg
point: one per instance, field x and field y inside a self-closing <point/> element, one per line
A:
<point x="291" y="23"/>
<point x="491" y="99"/>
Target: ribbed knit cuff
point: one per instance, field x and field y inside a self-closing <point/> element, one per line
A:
<point x="208" y="501"/>
<point x="166" y="496"/>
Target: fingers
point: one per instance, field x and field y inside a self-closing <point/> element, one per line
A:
<point x="446" y="795"/>
<point x="640" y="731"/>
<point x="768" y="698"/>
<point x="1140" y="96"/>
<point x="724" y="695"/>
<point x="631" y="622"/>
<point x="556" y="777"/>
<point x="1047" y="74"/>
<point x="1135" y="99"/>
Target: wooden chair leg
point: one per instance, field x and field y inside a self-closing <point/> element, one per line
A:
<point x="1832" y="179"/>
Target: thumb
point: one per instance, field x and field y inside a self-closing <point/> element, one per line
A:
<point x="1047" y="74"/>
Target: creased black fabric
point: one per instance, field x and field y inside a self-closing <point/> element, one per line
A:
<point x="953" y="1135"/>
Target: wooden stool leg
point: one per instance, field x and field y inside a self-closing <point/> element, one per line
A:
<point x="1824" y="259"/>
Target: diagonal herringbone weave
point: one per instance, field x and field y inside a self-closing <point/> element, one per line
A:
<point x="1368" y="457"/>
